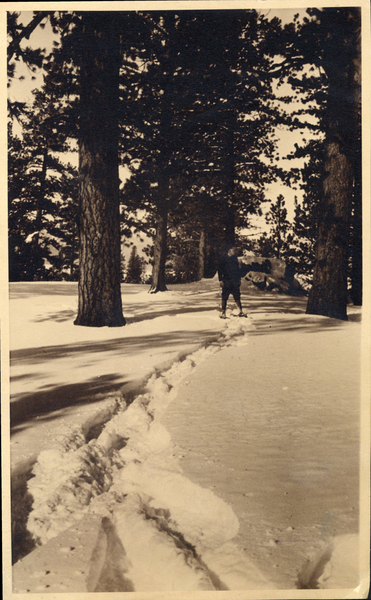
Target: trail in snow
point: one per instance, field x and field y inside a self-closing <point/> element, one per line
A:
<point x="184" y="541"/>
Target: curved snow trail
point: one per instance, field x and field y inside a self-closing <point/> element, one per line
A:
<point x="174" y="534"/>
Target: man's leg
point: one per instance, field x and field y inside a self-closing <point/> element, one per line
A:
<point x="225" y="296"/>
<point x="237" y="298"/>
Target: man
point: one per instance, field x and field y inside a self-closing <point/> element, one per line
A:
<point x="230" y="274"/>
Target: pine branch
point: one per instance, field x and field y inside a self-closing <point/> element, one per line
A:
<point x="25" y="33"/>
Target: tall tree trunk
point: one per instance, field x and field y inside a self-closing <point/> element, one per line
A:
<point x="164" y="160"/>
<point x="159" y="249"/>
<point x="202" y="245"/>
<point x="100" y="253"/>
<point x="160" y="242"/>
<point x="328" y="296"/>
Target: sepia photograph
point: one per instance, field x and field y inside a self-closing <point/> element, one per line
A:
<point x="185" y="316"/>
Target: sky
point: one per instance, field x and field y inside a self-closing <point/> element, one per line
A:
<point x="21" y="90"/>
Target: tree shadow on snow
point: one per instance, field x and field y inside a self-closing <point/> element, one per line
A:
<point x="271" y="305"/>
<point x="305" y="324"/>
<point x="122" y="346"/>
<point x="21" y="290"/>
<point x="61" y="316"/>
<point x="170" y="312"/>
<point x="138" y="313"/>
<point x="45" y="403"/>
<point x="48" y="404"/>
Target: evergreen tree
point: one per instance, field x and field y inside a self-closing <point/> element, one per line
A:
<point x="40" y="188"/>
<point x="306" y="217"/>
<point x="330" y="42"/>
<point x="329" y="294"/>
<point x="135" y="267"/>
<point x="280" y="228"/>
<point x="95" y="54"/>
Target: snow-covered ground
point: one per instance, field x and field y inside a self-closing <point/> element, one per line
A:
<point x="218" y="455"/>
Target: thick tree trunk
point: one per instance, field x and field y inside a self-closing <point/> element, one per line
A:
<point x="159" y="256"/>
<point x="328" y="296"/>
<point x="100" y="252"/>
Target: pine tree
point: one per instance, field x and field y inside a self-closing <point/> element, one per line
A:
<point x="41" y="188"/>
<point x="135" y="267"/>
<point x="306" y="212"/>
<point x="280" y="228"/>
<point x="329" y="294"/>
<point x="329" y="44"/>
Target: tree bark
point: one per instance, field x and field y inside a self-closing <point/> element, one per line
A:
<point x="328" y="296"/>
<point x="100" y="253"/>
<point x="202" y="254"/>
<point x="159" y="252"/>
<point x="164" y="160"/>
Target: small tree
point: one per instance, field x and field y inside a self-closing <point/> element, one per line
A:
<point x="277" y="242"/>
<point x="280" y="227"/>
<point x="135" y="267"/>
